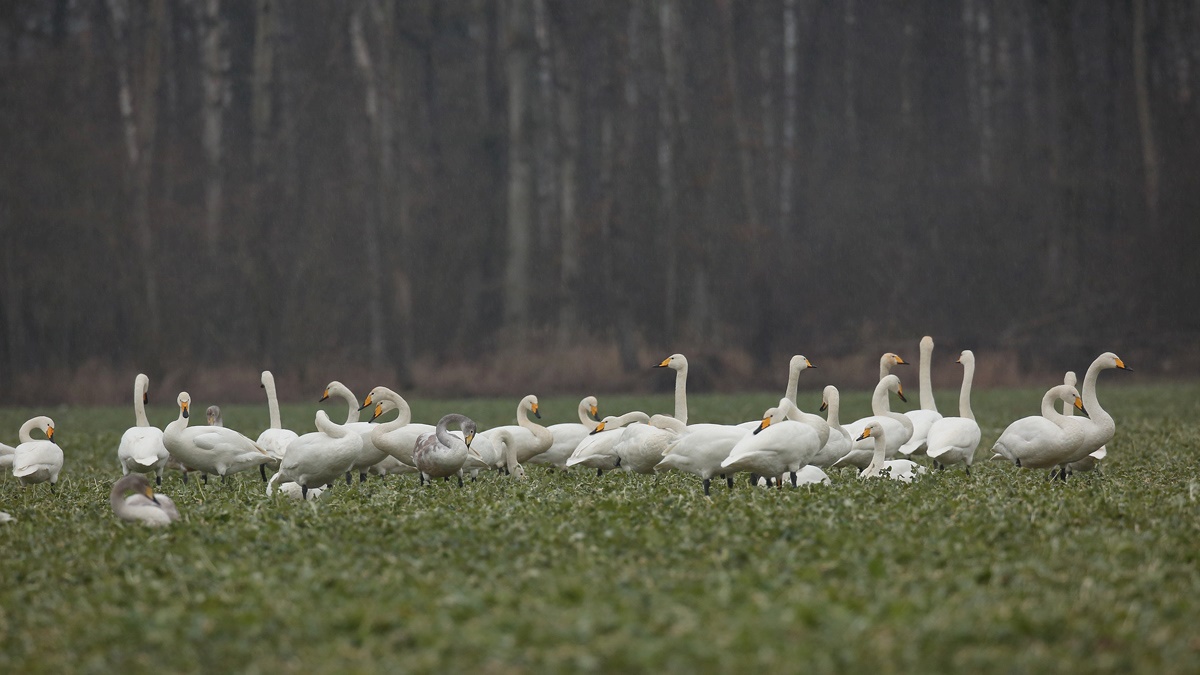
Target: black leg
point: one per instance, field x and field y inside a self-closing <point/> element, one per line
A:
<point x="707" y="482"/>
<point x="618" y="464"/>
<point x="968" y="470"/>
<point x="599" y="472"/>
<point x="205" y="478"/>
<point x="158" y="480"/>
<point x="794" y="478"/>
<point x="185" y="477"/>
<point x="304" y="492"/>
<point x="362" y="476"/>
<point x="754" y="480"/>
<point x="349" y="481"/>
<point x="262" y="471"/>
<point x="460" y="483"/>
<point x="728" y="481"/>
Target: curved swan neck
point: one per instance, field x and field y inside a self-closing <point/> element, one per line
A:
<point x="632" y="417"/>
<point x="833" y="403"/>
<point x="443" y="429"/>
<point x="926" y="381"/>
<point x="794" y="367"/>
<point x="351" y="403"/>
<point x="585" y="415"/>
<point x="681" y="411"/>
<point x="879" y="400"/>
<point x="404" y="418"/>
<point x="28" y="427"/>
<point x="329" y="427"/>
<point x="1059" y="393"/>
<point x="268" y="383"/>
<point x="877" y="457"/>
<point x="964" y="394"/>
<point x="139" y="401"/>
<point x="1090" y="401"/>
<point x="510" y="451"/>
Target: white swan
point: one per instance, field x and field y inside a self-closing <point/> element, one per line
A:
<point x="1100" y="428"/>
<point x="210" y="449"/>
<point x="398" y="438"/>
<point x="133" y="501"/>
<point x="598" y="450"/>
<point x="442" y="454"/>
<point x="320" y="457"/>
<point x="6" y="456"/>
<point x="953" y="440"/>
<point x="839" y="442"/>
<point x="779" y="445"/>
<point x="497" y="451"/>
<point x="368" y="454"/>
<point x="567" y="436"/>
<point x="642" y="445"/>
<point x="141" y="449"/>
<point x="37" y="461"/>
<point x="899" y="427"/>
<point x="1042" y="441"/>
<point x="904" y="470"/>
<point x="807" y="475"/>
<point x="5" y="518"/>
<point x="528" y="438"/>
<point x="924" y="417"/>
<point x="274" y="439"/>
<point x="796" y="365"/>
<point x="699" y="449"/>
<point x="1092" y="461"/>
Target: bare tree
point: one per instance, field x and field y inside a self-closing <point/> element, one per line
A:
<point x="520" y="172"/>
<point x="214" y="65"/>
<point x="1141" y="78"/>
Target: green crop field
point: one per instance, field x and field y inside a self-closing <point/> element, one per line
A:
<point x="999" y="571"/>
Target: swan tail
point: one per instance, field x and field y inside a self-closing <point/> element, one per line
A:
<point x="146" y="461"/>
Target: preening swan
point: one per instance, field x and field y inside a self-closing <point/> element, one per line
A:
<point x="134" y="501"/>
<point x="141" y="449"/>
<point x="37" y="461"/>
<point x="567" y="436"/>
<point x="953" y="440"/>
<point x="274" y="439"/>
<point x="899" y="427"/>
<point x="498" y="451"/>
<point x="839" y="442"/>
<point x="442" y="454"/>
<point x="528" y="438"/>
<point x="6" y="456"/>
<point x="642" y="445"/>
<point x="318" y="458"/>
<point x="903" y="470"/>
<point x="210" y="449"/>
<point x="927" y="414"/>
<point x="368" y="454"/>
<point x="779" y="445"/>
<point x="1043" y="441"/>
<point x="598" y="450"/>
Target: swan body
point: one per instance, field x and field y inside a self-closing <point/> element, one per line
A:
<point x="441" y="454"/>
<point x="1100" y="428"/>
<point x="700" y="448"/>
<point x="1043" y="441"/>
<point x="397" y="438"/>
<point x="274" y="439"/>
<point x="598" y="450"/>
<point x="6" y="456"/>
<point x="495" y="452"/>
<point x="807" y="475"/>
<point x="368" y="454"/>
<point x="924" y="417"/>
<point x="642" y="445"/>
<point x="903" y="470"/>
<point x="530" y="439"/>
<point x="1092" y="461"/>
<point x="34" y="460"/>
<point x="796" y="365"/>
<point x="899" y="427"/>
<point x="839" y="442"/>
<point x="953" y="440"/>
<point x="134" y="501"/>
<point x="141" y="449"/>
<point x="779" y="445"/>
<point x="210" y="449"/>
<point x="320" y="457"/>
<point x="568" y="436"/>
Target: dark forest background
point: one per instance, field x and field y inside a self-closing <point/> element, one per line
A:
<point x="471" y="196"/>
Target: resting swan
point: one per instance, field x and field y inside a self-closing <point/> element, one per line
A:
<point x="441" y="454"/>
<point x="37" y="461"/>
<point x="927" y="414"/>
<point x="320" y="457"/>
<point x="274" y="439"/>
<point x="598" y="450"/>
<point x="642" y="445"/>
<point x="953" y="440"/>
<point x="210" y="449"/>
<point x="807" y="475"/>
<point x="904" y="470"/>
<point x="141" y="449"/>
<point x="779" y="445"/>
<point x="530" y="439"/>
<point x="133" y="501"/>
<point x="368" y="454"/>
<point x="899" y="427"/>
<point x="1042" y="441"/>
<point x="567" y="436"/>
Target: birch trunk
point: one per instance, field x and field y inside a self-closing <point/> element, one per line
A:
<point x="787" y="160"/>
<point x="520" y="173"/>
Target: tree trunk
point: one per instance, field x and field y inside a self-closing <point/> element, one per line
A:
<point x="214" y="61"/>
<point x="741" y="133"/>
<point x="520" y="174"/>
<point x="546" y="124"/>
<point x="787" y="161"/>
<point x="667" y="140"/>
<point x="1141" y="79"/>
<point x="571" y="253"/>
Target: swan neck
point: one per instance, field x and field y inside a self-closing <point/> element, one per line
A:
<point x="510" y="453"/>
<point x="926" y="379"/>
<point x="834" y="404"/>
<point x="351" y="405"/>
<point x="681" y="411"/>
<point x="879" y="400"/>
<point x="139" y="408"/>
<point x="1091" y="403"/>
<point x="1048" y="410"/>
<point x="585" y="417"/>
<point x="964" y="394"/>
<point x="272" y="403"/>
<point x="878" y="456"/>
<point x="793" y="381"/>
<point x="26" y="429"/>
<point x="329" y="427"/>
<point x="402" y="420"/>
<point x="631" y="417"/>
<point x="443" y="430"/>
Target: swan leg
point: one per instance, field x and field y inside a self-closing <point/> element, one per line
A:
<point x="460" y="483"/>
<point x="794" y="479"/>
<point x="158" y="478"/>
<point x="754" y="480"/>
<point x="728" y="480"/>
<point x="599" y="472"/>
<point x="262" y="471"/>
<point x="205" y="476"/>
<point x="304" y="493"/>
<point x="185" y="478"/>
<point x="968" y="470"/>
<point x="349" y="482"/>
<point x="707" y="482"/>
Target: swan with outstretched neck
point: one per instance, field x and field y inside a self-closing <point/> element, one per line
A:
<point x="924" y="417"/>
<point x="274" y="439"/>
<point x="1092" y="461"/>
<point x="643" y="444"/>
<point x="953" y="440"/>
<point x="899" y="427"/>
<point x="210" y="449"/>
<point x="839" y="442"/>
<point x="1101" y="427"/>
<point x="567" y="436"/>
<point x="141" y="449"/>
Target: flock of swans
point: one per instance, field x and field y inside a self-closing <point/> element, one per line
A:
<point x="787" y="445"/>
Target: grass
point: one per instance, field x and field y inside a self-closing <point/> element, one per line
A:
<point x="1001" y="571"/>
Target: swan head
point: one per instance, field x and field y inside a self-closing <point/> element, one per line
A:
<point x="265" y="379"/>
<point x="184" y="400"/>
<point x="46" y="425"/>
<point x="375" y="393"/>
<point x="894" y="386"/>
<point x="674" y="362"/>
<point x="927" y="342"/>
<point x="890" y="359"/>
<point x="134" y="483"/>
<point x="1111" y="360"/>
<point x="600" y="427"/>
<point x="592" y="406"/>
<point x="142" y="384"/>
<point x="771" y="416"/>
<point x="518" y="473"/>
<point x="829" y="394"/>
<point x="468" y="430"/>
<point x="873" y="430"/>
<point x="967" y="357"/>
<point x="530" y="403"/>
<point x="332" y="388"/>
<point x="213" y="415"/>
<point x="800" y="362"/>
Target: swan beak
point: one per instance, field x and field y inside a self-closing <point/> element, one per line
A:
<point x="366" y="402"/>
<point x="824" y="406"/>
<point x="900" y="393"/>
<point x="150" y="493"/>
<point x="900" y="361"/>
<point x="1079" y="405"/>
<point x="595" y="413"/>
<point x="50" y="434"/>
<point x="534" y="408"/>
<point x="958" y="360"/>
<point x="183" y="408"/>
<point x="598" y="429"/>
<point x="468" y="439"/>
<point x="323" y="396"/>
<point x="1121" y="364"/>
<point x="765" y="423"/>
<point x="378" y="411"/>
<point x="865" y="434"/>
<point x="808" y="364"/>
<point x="666" y="362"/>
